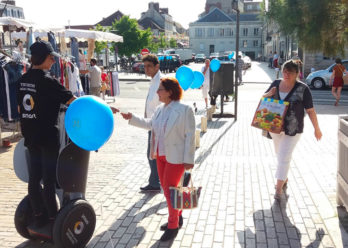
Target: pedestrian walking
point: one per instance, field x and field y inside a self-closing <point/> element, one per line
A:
<point x="206" y="84"/>
<point x="39" y="97"/>
<point x="240" y="66"/>
<point x="151" y="66"/>
<point x="336" y="80"/>
<point x="270" y="59"/>
<point x="300" y="100"/>
<point x="172" y="144"/>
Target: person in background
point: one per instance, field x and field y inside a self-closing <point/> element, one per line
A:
<point x="95" y="78"/>
<point x="105" y="81"/>
<point x="172" y="144"/>
<point x="151" y="66"/>
<point x="275" y="60"/>
<point x="336" y="80"/>
<point x="82" y="59"/>
<point x="206" y="84"/>
<point x="39" y="97"/>
<point x="300" y="100"/>
<point x="270" y="59"/>
<point x="240" y="66"/>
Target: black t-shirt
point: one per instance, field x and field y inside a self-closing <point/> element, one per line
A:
<point x="299" y="98"/>
<point x="39" y="97"/>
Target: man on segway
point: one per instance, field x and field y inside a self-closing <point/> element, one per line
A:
<point x="39" y="97"/>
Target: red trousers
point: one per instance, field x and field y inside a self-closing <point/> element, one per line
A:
<point x="170" y="175"/>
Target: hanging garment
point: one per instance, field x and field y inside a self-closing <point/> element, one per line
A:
<point x="55" y="69"/>
<point x="115" y="83"/>
<point x="75" y="85"/>
<point x="63" y="46"/>
<point x="74" y="45"/>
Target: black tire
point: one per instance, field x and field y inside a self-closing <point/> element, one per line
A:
<point x="23" y="217"/>
<point x="74" y="225"/>
<point x="318" y="83"/>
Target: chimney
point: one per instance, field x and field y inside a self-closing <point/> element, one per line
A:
<point x="164" y="11"/>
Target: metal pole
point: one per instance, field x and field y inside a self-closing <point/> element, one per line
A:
<point x="237" y="60"/>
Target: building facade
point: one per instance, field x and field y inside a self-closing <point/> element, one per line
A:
<point x="216" y="32"/>
<point x="9" y="8"/>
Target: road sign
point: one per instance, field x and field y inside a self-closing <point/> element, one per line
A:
<point x="145" y="51"/>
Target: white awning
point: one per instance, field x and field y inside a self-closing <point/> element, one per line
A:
<point x="19" y="23"/>
<point x="92" y="34"/>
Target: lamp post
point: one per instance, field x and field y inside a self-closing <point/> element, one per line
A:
<point x="236" y="9"/>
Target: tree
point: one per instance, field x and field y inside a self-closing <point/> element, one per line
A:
<point x="163" y="43"/>
<point x="172" y="43"/>
<point x="100" y="45"/>
<point x="134" y="39"/>
<point x="319" y="25"/>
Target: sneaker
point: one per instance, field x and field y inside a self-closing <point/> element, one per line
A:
<point x="150" y="188"/>
<point x="169" y="234"/>
<point x="165" y="225"/>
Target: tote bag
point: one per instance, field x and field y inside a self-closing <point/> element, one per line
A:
<point x="269" y="115"/>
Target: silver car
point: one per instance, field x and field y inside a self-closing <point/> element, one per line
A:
<point x="320" y="79"/>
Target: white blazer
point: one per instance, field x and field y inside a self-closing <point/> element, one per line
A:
<point x="179" y="141"/>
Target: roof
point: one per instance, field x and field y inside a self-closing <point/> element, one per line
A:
<point x="107" y="21"/>
<point x="217" y="15"/>
<point x="150" y="23"/>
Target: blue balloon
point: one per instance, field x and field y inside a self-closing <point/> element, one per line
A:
<point x="215" y="65"/>
<point x="185" y="77"/>
<point x="198" y="79"/>
<point x="89" y="122"/>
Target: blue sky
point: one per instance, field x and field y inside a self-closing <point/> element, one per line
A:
<point x="80" y="12"/>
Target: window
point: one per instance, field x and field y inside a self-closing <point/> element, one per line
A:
<point x="228" y="32"/>
<point x="245" y="31"/>
<point x="199" y="32"/>
<point x="222" y="32"/>
<point x="210" y="32"/>
<point x="249" y="7"/>
<point x="256" y="43"/>
<point x="201" y="47"/>
<point x="245" y="43"/>
<point x="256" y="31"/>
<point x="18" y="14"/>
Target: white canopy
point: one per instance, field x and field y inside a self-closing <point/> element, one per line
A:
<point x="77" y="33"/>
<point x="19" y="23"/>
<point x="92" y="34"/>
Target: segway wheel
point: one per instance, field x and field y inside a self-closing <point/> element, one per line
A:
<point x="23" y="217"/>
<point x="74" y="225"/>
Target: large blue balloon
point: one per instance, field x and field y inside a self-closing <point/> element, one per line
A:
<point x="198" y="79"/>
<point x="89" y="122"/>
<point x="215" y="65"/>
<point x="185" y="77"/>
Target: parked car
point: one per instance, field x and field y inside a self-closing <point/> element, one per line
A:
<point x="247" y="62"/>
<point x="224" y="58"/>
<point x="214" y="56"/>
<point x="200" y="58"/>
<point x="320" y="79"/>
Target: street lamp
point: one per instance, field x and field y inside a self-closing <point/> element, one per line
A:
<point x="236" y="9"/>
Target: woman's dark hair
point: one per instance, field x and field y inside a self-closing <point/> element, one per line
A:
<point x="37" y="60"/>
<point x="338" y="61"/>
<point x="291" y="65"/>
<point x="172" y="84"/>
<point x="151" y="58"/>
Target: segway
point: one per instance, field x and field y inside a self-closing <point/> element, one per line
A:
<point x="76" y="219"/>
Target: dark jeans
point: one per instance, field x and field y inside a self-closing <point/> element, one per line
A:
<point x="43" y="160"/>
<point x="153" y="179"/>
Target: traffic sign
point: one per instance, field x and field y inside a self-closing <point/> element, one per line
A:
<point x="145" y="51"/>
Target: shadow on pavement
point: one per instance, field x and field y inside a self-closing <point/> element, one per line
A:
<point x="205" y="153"/>
<point x="330" y="110"/>
<point x="273" y="228"/>
<point x="126" y="227"/>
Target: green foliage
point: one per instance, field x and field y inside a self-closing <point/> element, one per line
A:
<point x="163" y="43"/>
<point x="172" y="43"/>
<point x="100" y="45"/>
<point x="319" y="25"/>
<point x="134" y="39"/>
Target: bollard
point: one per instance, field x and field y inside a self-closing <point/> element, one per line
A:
<point x="210" y="114"/>
<point x="198" y="137"/>
<point x="204" y="124"/>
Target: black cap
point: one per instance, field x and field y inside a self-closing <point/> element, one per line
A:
<point x="42" y="48"/>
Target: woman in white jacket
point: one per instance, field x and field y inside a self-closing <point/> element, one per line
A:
<point x="173" y="144"/>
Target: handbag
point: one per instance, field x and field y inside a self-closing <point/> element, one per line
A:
<point x="269" y="115"/>
<point x="184" y="197"/>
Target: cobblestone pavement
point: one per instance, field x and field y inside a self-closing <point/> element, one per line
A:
<point x="236" y="167"/>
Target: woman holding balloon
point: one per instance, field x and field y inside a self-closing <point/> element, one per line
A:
<point x="172" y="144"/>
